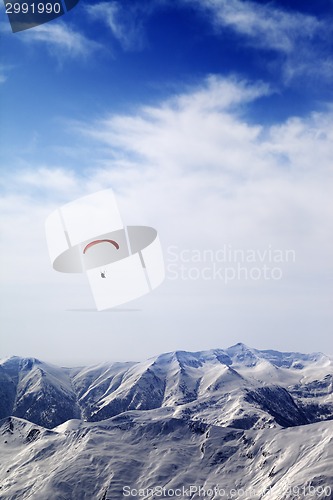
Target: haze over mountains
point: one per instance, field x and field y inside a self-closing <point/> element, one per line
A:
<point x="170" y="420"/>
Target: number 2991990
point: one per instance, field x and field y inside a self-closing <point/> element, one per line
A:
<point x="33" y="8"/>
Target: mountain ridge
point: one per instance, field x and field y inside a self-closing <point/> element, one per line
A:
<point x="238" y="386"/>
<point x="240" y="419"/>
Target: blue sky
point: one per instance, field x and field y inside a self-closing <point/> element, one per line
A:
<point x="212" y="121"/>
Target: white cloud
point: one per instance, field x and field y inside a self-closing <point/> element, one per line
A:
<point x="195" y="158"/>
<point x="299" y="40"/>
<point x="124" y="22"/>
<point x="198" y="171"/>
<point x="221" y="93"/>
<point x="199" y="152"/>
<point x="298" y="37"/>
<point x="266" y="25"/>
<point x="61" y="39"/>
<point x="166" y="133"/>
<point x="46" y="179"/>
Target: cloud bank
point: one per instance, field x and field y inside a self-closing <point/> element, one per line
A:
<point x="196" y="169"/>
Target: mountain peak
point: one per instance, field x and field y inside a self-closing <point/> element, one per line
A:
<point x="242" y="354"/>
<point x="239" y="347"/>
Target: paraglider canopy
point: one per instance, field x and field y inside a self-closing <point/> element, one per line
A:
<point x="96" y="242"/>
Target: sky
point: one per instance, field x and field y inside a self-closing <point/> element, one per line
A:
<point x="212" y="121"/>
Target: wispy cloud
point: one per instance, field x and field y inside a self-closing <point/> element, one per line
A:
<point x="267" y="26"/>
<point x="41" y="182"/>
<point x="124" y="22"/>
<point x="299" y="38"/>
<point x="220" y="93"/>
<point x="61" y="40"/>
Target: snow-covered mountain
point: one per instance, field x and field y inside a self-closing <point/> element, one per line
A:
<point x="260" y="422"/>
<point x="239" y="387"/>
<point x="151" y="449"/>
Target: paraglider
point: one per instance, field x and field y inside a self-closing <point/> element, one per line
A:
<point x="121" y="262"/>
<point x="96" y="242"/>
